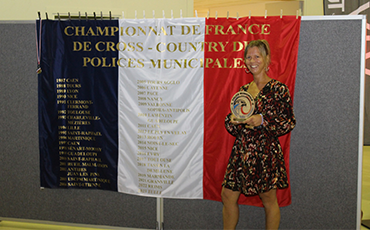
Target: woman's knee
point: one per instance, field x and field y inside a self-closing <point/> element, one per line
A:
<point x="269" y="198"/>
<point x="229" y="196"/>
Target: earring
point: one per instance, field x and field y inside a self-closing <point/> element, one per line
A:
<point x="267" y="69"/>
<point x="247" y="70"/>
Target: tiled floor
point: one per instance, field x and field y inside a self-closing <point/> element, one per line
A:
<point x="10" y="225"/>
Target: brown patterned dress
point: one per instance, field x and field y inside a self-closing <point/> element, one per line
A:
<point x="256" y="163"/>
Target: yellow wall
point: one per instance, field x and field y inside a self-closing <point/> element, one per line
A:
<point x="255" y="9"/>
<point x="313" y="7"/>
<point x="27" y="9"/>
<point x="288" y="8"/>
<point x="273" y="8"/>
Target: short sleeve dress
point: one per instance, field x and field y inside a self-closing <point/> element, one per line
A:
<point x="256" y="163"/>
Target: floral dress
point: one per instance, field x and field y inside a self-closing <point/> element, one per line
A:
<point x="256" y="163"/>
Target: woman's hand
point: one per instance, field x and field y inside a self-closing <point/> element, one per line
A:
<point x="235" y="121"/>
<point x="251" y="122"/>
<point x="254" y="120"/>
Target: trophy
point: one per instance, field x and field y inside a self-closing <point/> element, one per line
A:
<point x="242" y="105"/>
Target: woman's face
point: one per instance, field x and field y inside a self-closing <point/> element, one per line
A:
<point x="255" y="61"/>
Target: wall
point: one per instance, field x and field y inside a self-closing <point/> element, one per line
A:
<point x="27" y="10"/>
<point x="288" y="8"/>
<point x="256" y="9"/>
<point x="313" y="7"/>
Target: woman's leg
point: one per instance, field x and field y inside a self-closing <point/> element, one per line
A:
<point x="230" y="210"/>
<point x="272" y="209"/>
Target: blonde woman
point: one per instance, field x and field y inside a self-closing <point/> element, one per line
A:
<point x="256" y="164"/>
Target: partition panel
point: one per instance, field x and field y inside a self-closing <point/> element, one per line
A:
<point x="325" y="155"/>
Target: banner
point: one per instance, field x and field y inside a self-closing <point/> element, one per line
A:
<point x="138" y="106"/>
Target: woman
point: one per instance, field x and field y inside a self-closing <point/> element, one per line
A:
<point x="256" y="164"/>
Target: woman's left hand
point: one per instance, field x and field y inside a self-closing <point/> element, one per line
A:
<point x="253" y="121"/>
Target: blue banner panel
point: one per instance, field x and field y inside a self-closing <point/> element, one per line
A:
<point x="78" y="91"/>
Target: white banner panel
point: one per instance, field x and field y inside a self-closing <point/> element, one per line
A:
<point x="161" y="107"/>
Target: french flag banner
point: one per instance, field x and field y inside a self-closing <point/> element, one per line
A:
<point x="138" y="105"/>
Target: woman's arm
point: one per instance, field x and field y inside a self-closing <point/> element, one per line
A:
<point x="279" y="118"/>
